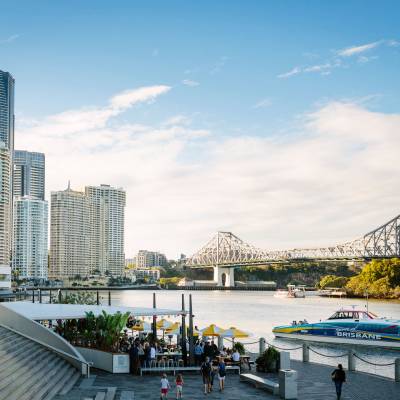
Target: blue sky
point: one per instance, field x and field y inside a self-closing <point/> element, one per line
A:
<point x="240" y="75"/>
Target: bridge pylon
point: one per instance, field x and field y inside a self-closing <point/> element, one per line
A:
<point x="224" y="276"/>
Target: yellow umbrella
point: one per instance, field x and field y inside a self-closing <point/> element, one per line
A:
<point x="163" y="324"/>
<point x="212" y="330"/>
<point x="174" y="329"/>
<point x="142" y="326"/>
<point x="233" y="332"/>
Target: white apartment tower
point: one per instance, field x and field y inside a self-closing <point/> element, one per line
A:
<point x="107" y="229"/>
<point x="30" y="237"/>
<point x="69" y="234"/>
<point x="30" y="216"/>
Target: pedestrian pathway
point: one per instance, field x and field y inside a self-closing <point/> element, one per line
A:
<point x="314" y="384"/>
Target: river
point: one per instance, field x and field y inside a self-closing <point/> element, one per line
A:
<point x="258" y="312"/>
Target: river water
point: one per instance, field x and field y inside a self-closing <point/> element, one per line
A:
<point x="258" y="312"/>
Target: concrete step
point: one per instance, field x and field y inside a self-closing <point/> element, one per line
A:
<point x="14" y="358"/>
<point x="11" y="340"/>
<point x="39" y="389"/>
<point x="71" y="383"/>
<point x="36" y="374"/>
<point x="23" y="367"/>
<point x="71" y="374"/>
<point x="5" y="333"/>
<point x="27" y="375"/>
<point x="29" y="371"/>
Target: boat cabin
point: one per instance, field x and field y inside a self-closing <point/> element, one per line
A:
<point x="353" y="314"/>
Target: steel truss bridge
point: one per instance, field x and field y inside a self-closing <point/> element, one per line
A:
<point x="226" y="250"/>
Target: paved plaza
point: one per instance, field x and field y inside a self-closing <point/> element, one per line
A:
<point x="314" y="384"/>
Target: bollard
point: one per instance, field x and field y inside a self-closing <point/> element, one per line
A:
<point x="306" y="353"/>
<point x="97" y="298"/>
<point x="284" y="360"/>
<point x="397" y="370"/>
<point x="33" y="296"/>
<point x="109" y="298"/>
<point x="351" y="363"/>
<point x="40" y="295"/>
<point x="261" y="346"/>
<point x="220" y="342"/>
<point x="59" y="296"/>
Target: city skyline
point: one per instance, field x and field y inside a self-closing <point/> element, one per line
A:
<point x="289" y="138"/>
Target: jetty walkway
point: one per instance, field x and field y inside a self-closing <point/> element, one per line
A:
<point x="314" y="383"/>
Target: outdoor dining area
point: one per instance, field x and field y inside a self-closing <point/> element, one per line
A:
<point x="164" y="345"/>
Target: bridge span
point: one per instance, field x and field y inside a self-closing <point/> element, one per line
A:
<point x="226" y="251"/>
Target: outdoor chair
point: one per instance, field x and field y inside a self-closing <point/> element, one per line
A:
<point x="171" y="362"/>
<point x="162" y="363"/>
<point x="180" y="363"/>
<point x="153" y="363"/>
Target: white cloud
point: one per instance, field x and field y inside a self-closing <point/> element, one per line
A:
<point x="264" y="103"/>
<point x="9" y="39"/>
<point x="189" y="82"/>
<point x="292" y="72"/>
<point x="355" y="50"/>
<point x="334" y="179"/>
<point x="337" y="61"/>
<point x="89" y="118"/>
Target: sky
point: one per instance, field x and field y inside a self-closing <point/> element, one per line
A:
<point x="276" y="120"/>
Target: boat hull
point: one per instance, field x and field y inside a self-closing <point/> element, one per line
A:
<point x="339" y="340"/>
<point x="373" y="333"/>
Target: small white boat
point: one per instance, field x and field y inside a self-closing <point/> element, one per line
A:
<point x="292" y="292"/>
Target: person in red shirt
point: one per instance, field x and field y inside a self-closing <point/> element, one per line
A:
<point x="179" y="386"/>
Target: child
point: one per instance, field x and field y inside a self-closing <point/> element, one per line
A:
<point x="221" y="374"/>
<point x="164" y="387"/>
<point x="179" y="385"/>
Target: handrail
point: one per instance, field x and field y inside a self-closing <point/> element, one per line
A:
<point x="32" y="330"/>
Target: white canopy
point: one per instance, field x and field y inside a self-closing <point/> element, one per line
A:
<point x="41" y="311"/>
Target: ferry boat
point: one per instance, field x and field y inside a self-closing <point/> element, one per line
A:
<point x="346" y="326"/>
<point x="291" y="292"/>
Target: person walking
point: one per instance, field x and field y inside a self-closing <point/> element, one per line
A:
<point x="164" y="387"/>
<point x="205" y="370"/>
<point x="338" y="377"/>
<point x="134" y="359"/>
<point x="221" y="374"/>
<point x="179" y="386"/>
<point x="198" y="354"/>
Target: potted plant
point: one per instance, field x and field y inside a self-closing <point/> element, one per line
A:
<point x="268" y="361"/>
<point x="240" y="348"/>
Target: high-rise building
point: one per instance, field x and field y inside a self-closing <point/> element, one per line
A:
<point x="147" y="259"/>
<point x="30" y="237"/>
<point x="87" y="232"/>
<point x="29" y="174"/>
<point x="6" y="162"/>
<point x="107" y="222"/>
<point x="69" y="234"/>
<point x="5" y="205"/>
<point x="30" y="216"/>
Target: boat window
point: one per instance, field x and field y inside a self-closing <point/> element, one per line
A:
<point x="343" y="315"/>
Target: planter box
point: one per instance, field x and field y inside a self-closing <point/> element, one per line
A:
<point x="115" y="363"/>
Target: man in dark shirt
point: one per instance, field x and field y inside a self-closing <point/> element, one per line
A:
<point x="134" y="359"/>
<point x="338" y="377"/>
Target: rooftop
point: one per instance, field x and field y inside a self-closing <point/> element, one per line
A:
<point x="40" y="311"/>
